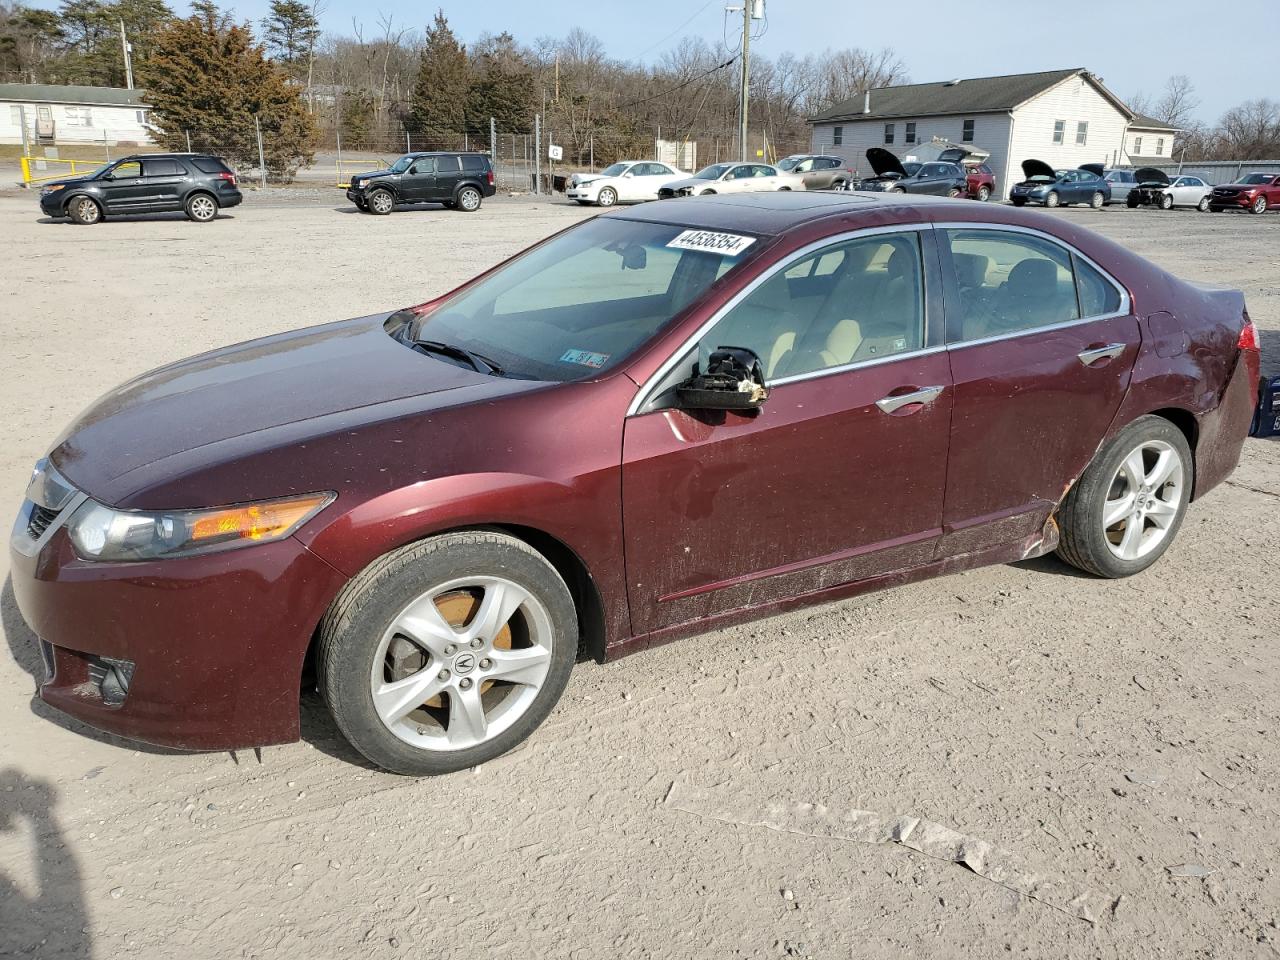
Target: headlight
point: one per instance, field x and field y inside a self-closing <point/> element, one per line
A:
<point x="100" y="533"/>
<point x="53" y="188"/>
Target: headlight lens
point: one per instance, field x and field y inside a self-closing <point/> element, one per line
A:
<point x="53" y="188"/>
<point x="100" y="533"/>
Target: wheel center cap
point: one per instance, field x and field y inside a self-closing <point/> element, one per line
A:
<point x="464" y="663"/>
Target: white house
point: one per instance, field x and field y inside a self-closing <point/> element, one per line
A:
<point x="1063" y="117"/>
<point x="68" y="114"/>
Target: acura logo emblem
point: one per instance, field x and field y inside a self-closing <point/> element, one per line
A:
<point x="464" y="663"/>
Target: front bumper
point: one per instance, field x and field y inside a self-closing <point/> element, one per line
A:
<point x="214" y="644"/>
<point x="581" y="193"/>
<point x="1219" y="201"/>
<point x="51" y="204"/>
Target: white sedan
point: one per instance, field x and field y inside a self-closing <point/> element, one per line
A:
<point x="627" y="181"/>
<point x="727" y="178"/>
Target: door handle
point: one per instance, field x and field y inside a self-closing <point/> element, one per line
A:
<point x="896" y="401"/>
<point x="1094" y="354"/>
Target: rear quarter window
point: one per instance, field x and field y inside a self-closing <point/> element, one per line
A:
<point x="209" y="165"/>
<point x="475" y="164"/>
<point x="447" y="164"/>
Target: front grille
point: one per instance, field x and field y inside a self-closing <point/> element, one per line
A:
<point x="39" y="520"/>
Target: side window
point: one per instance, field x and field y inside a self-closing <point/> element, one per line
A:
<point x="858" y="300"/>
<point x="662" y="170"/>
<point x="1098" y="296"/>
<point x="448" y="164"/>
<point x="423" y="165"/>
<point x="474" y="164"/>
<point x="126" y="170"/>
<point x="1008" y="282"/>
<point x="761" y="171"/>
<point x="163" y="168"/>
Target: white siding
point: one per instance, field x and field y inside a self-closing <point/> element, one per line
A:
<point x="990" y="132"/>
<point x="76" y="123"/>
<point x="1073" y="101"/>
<point x="1147" y="143"/>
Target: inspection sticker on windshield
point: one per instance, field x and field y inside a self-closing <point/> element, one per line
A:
<point x="585" y="358"/>
<point x="729" y="244"/>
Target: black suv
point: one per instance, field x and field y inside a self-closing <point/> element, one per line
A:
<point x="458" y="180"/>
<point x="197" y="183"/>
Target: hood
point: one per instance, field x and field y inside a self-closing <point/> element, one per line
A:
<point x="686" y="182"/>
<point x="253" y="397"/>
<point x="1151" y="175"/>
<point x="1097" y="169"/>
<point x="883" y="162"/>
<point x="372" y="175"/>
<point x="1037" y="168"/>
<point x="578" y="179"/>
<point x="65" y="181"/>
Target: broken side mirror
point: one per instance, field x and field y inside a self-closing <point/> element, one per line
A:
<point x="733" y="380"/>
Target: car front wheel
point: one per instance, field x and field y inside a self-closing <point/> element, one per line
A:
<point x="607" y="197"/>
<point x="1166" y="202"/>
<point x="447" y="652"/>
<point x="1052" y="200"/>
<point x="1259" y="205"/>
<point x="381" y="202"/>
<point x="84" y="210"/>
<point x="1126" y="508"/>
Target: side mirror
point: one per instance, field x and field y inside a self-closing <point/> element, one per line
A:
<point x="734" y="380"/>
<point x="628" y="174"/>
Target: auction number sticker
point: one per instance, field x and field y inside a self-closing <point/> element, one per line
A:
<point x="728" y="244"/>
<point x="585" y="358"/>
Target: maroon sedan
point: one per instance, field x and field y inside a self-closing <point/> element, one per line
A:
<point x="655" y="423"/>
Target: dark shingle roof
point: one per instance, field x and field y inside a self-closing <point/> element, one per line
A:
<point x="1143" y="122"/>
<point x="979" y="95"/>
<point x="58" y="93"/>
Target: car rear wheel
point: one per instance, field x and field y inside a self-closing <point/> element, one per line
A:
<point x="1259" y="205"/>
<point x="1166" y="202"/>
<point x="1203" y="205"/>
<point x="468" y="199"/>
<point x="607" y="197"/>
<point x="839" y="185"/>
<point x="1097" y="200"/>
<point x="1126" y="508"/>
<point x="381" y="202"/>
<point x="202" y="208"/>
<point x="1052" y="200"/>
<point x="448" y="652"/>
<point x="1132" y="203"/>
<point x="84" y="210"/>
<point x="984" y="193"/>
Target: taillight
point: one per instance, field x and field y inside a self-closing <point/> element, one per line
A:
<point x="228" y="176"/>
<point x="1248" y="335"/>
<point x="489" y="177"/>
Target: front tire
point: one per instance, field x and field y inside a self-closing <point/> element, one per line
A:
<point x="607" y="197"/>
<point x="953" y="192"/>
<point x="1166" y="202"/>
<point x="84" y="211"/>
<point x="1259" y="205"/>
<point x="1019" y="202"/>
<point x="468" y="200"/>
<point x="381" y="202"/>
<point x="448" y="652"/>
<point x="1125" y="510"/>
<point x="1052" y="200"/>
<point x="1203" y="205"/>
<point x="1097" y="200"/>
<point x="201" y="208"/>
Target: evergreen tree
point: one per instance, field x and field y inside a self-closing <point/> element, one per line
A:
<point x="501" y="84"/>
<point x="290" y="33"/>
<point x="438" y="105"/>
<point x="206" y="76"/>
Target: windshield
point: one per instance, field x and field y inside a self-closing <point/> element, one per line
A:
<point x="583" y="301"/>
<point x="615" y="170"/>
<point x="1257" y="178"/>
<point x="401" y="165"/>
<point x="713" y="172"/>
<point x="98" y="172"/>
<point x="912" y="168"/>
<point x="788" y="162"/>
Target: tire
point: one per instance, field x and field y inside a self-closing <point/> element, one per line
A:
<point x="1166" y="202"/>
<point x="1052" y="199"/>
<point x="1203" y="205"/>
<point x="897" y="190"/>
<point x="1259" y="205"/>
<point x="84" y="211"/>
<point x="984" y="193"/>
<point x="840" y="185"/>
<point x="607" y="197"/>
<point x="360" y="650"/>
<point x="583" y="203"/>
<point x="707" y="193"/>
<point x="1097" y="200"/>
<point x="381" y="202"/>
<point x="1019" y="202"/>
<point x="201" y="208"/>
<point x="468" y="200"/>
<point x="1131" y="203"/>
<point x="1107" y="551"/>
<point x="953" y="193"/>
<point x="784" y="189"/>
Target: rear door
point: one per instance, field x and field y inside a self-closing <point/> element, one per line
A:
<point x="166" y="181"/>
<point x="448" y="175"/>
<point x="1042" y="344"/>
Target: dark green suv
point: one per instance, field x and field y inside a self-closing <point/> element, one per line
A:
<point x="458" y="180"/>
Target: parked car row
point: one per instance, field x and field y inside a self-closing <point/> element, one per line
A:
<point x="1147" y="186"/>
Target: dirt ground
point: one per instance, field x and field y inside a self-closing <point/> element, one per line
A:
<point x="696" y="800"/>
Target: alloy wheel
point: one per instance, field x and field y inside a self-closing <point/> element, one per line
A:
<point x="1096" y="201"/>
<point x="1143" y="500"/>
<point x="608" y="197"/>
<point x="203" y="208"/>
<point x="469" y="199"/>
<point x="1203" y="205"/>
<point x="382" y="202"/>
<point x="462" y="663"/>
<point x="88" y="210"/>
<point x="984" y="193"/>
<point x="1259" y="205"/>
<point x="1051" y="200"/>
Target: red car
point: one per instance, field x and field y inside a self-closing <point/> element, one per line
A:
<point x="1255" y="192"/>
<point x="658" y="422"/>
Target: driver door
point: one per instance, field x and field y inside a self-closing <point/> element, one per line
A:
<point x="127" y="191"/>
<point x="419" y="181"/>
<point x="838" y="477"/>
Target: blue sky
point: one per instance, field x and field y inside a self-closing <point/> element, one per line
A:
<point x="1131" y="46"/>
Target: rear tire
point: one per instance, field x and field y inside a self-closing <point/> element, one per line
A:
<point x="201" y="208"/>
<point x="84" y="211"/>
<point x="839" y="185"/>
<point x="954" y="192"/>
<point x="984" y="193"/>
<point x="381" y="202"/>
<point x="408" y="615"/>
<point x="1097" y="200"/>
<point x="1143" y="479"/>
<point x="468" y="200"/>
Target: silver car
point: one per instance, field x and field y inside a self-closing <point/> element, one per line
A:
<point x="1157" y="189"/>
<point x="1122" y="181"/>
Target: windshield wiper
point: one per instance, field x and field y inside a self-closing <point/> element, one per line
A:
<point x="477" y="361"/>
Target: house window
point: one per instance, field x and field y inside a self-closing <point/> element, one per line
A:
<point x="911" y="133"/>
<point x="1059" y="130"/>
<point x="967" y="135"/>
<point x="888" y="133"/>
<point x="78" y="116"/>
<point x="1137" y="146"/>
<point x="1160" y="146"/>
<point x="1082" y="133"/>
<point x="141" y="115"/>
<point x="837" y="136"/>
<point x="15" y="115"/>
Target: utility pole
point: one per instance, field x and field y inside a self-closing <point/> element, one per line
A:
<point x="262" y="160"/>
<point x="746" y="76"/>
<point x="537" y="153"/>
<point x="128" y="58"/>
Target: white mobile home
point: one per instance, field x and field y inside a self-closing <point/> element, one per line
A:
<point x="56" y="114"/>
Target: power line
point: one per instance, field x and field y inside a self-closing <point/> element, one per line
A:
<point x="645" y="51"/>
<point x="680" y="86"/>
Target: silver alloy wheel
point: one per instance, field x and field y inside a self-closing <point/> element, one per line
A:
<point x="203" y="208"/>
<point x="1052" y="199"/>
<point x="984" y="193"/>
<point x="607" y="197"/>
<point x="1096" y="200"/>
<point x="469" y="199"/>
<point x="442" y="686"/>
<point x="382" y="201"/>
<point x="1143" y="500"/>
<point x="1203" y="205"/>
<point x="1260" y="205"/>
<point x="88" y="210"/>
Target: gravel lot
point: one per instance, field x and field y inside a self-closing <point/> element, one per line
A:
<point x="1096" y="733"/>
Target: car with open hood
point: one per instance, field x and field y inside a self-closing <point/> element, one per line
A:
<point x="937" y="178"/>
<point x="196" y="184"/>
<point x="720" y="178"/>
<point x="1255" y="192"/>
<point x="459" y="181"/>
<point x="666" y="419"/>
<point x="1045" y="185"/>
<point x="627" y="181"/>
<point x="1155" y="188"/>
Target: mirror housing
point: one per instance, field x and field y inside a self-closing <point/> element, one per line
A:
<point x="734" y="380"/>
